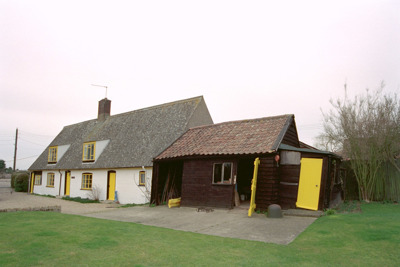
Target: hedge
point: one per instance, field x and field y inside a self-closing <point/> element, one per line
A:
<point x="21" y="182"/>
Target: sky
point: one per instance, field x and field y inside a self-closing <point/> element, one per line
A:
<point x="249" y="59"/>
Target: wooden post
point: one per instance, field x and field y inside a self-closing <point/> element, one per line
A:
<point x="253" y="188"/>
<point x="15" y="149"/>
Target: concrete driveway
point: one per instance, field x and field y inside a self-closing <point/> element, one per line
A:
<point x="219" y="222"/>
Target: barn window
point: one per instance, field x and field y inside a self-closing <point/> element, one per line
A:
<point x="222" y="173"/>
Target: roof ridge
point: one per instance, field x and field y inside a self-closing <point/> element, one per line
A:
<point x="142" y="109"/>
<point x="244" y="120"/>
<point x="159" y="106"/>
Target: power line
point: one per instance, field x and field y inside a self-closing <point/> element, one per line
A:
<point x="22" y="158"/>
<point x="42" y="135"/>
<point x="32" y="142"/>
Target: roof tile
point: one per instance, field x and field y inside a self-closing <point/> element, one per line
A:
<point x="236" y="137"/>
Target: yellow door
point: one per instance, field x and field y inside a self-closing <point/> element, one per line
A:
<point x="67" y="183"/>
<point x="309" y="184"/>
<point x="32" y="182"/>
<point x="111" y="186"/>
<point x="254" y="188"/>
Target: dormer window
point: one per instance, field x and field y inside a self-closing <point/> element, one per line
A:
<point x="52" y="157"/>
<point x="89" y="150"/>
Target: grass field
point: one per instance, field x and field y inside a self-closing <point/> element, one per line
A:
<point x="370" y="238"/>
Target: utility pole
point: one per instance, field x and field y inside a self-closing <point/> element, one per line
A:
<point x="15" y="150"/>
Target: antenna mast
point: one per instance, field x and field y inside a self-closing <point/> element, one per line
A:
<point x="101" y="86"/>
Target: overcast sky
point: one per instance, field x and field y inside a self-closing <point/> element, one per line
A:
<point x="249" y="59"/>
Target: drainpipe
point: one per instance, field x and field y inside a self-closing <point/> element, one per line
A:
<point x="30" y="183"/>
<point x="59" y="190"/>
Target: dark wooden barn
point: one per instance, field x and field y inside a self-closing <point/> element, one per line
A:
<point x="209" y="165"/>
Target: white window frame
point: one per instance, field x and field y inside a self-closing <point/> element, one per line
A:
<point x="222" y="181"/>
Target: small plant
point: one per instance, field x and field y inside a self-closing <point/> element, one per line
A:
<point x="330" y="212"/>
<point x="349" y="207"/>
<point x="95" y="193"/>
<point x="81" y="200"/>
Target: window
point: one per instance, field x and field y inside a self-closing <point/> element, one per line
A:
<point x="222" y="173"/>
<point x="87" y="180"/>
<point x="52" y="157"/>
<point x="50" y="180"/>
<point x="38" y="179"/>
<point x="89" y="151"/>
<point x="142" y="178"/>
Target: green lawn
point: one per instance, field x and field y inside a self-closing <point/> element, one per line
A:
<point x="370" y="238"/>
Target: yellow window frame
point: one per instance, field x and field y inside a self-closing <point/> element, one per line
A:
<point x="50" y="179"/>
<point x="89" y="151"/>
<point x="52" y="156"/>
<point x="38" y="179"/>
<point x="87" y="179"/>
<point x="142" y="174"/>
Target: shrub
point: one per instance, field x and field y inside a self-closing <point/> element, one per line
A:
<point x="81" y="200"/>
<point x="13" y="176"/>
<point x="21" y="182"/>
<point x="95" y="193"/>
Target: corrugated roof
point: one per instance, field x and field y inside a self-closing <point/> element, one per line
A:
<point x="237" y="137"/>
<point x="135" y="137"/>
<point x="306" y="149"/>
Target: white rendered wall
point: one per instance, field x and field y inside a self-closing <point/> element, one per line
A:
<point x="43" y="189"/>
<point x="99" y="181"/>
<point x="126" y="184"/>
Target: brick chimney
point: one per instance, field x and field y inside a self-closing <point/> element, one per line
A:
<point x="104" y="109"/>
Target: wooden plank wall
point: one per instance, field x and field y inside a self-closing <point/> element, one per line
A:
<point x="197" y="187"/>
<point x="267" y="192"/>
<point x="291" y="138"/>
<point x="289" y="185"/>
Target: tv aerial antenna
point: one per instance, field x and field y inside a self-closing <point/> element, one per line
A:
<point x="101" y="86"/>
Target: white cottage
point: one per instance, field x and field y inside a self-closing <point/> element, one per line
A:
<point x="110" y="157"/>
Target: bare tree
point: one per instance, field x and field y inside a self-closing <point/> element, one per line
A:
<point x="367" y="130"/>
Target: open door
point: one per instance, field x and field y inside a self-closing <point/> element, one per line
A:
<point x="67" y="183"/>
<point x="254" y="188"/>
<point x="111" y="185"/>
<point x="309" y="184"/>
<point x="32" y="182"/>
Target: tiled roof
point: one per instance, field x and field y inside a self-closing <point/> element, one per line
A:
<point x="237" y="137"/>
<point x="133" y="139"/>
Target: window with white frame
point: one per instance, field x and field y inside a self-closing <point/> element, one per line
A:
<point x="50" y="180"/>
<point x="222" y="173"/>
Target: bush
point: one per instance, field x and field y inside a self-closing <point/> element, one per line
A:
<point x="13" y="176"/>
<point x="21" y="182"/>
<point x="81" y="200"/>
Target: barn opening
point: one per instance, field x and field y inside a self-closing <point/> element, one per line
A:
<point x="169" y="183"/>
<point x="245" y="171"/>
